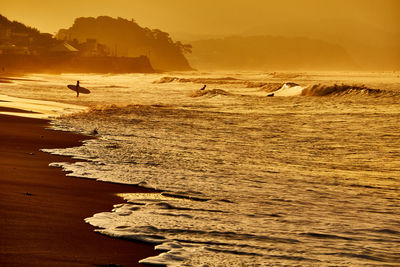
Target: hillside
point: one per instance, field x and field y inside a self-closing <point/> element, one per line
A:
<point x="16" y="26"/>
<point x="17" y="37"/>
<point x="269" y="53"/>
<point x="127" y="38"/>
<point x="370" y="46"/>
<point x="26" y="50"/>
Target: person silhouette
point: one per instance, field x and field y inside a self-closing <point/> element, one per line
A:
<point x="77" y="88"/>
<point x="204" y="87"/>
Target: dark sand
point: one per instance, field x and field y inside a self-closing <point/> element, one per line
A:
<point x="42" y="211"/>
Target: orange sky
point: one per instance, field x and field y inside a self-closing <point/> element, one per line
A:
<point x="202" y="16"/>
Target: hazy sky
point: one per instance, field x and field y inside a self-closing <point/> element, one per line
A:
<point x="201" y="16"/>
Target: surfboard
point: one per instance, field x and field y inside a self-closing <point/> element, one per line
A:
<point x="82" y="90"/>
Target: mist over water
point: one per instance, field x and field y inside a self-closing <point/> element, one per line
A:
<point x="247" y="180"/>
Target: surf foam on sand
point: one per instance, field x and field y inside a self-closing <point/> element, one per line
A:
<point x="38" y="109"/>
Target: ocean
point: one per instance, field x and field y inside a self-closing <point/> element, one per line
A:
<point x="309" y="176"/>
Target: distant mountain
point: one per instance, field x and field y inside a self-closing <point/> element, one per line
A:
<point x="269" y="53"/>
<point x="371" y="47"/>
<point x="127" y="38"/>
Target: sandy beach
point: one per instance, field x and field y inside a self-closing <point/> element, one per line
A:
<point x="42" y="211"/>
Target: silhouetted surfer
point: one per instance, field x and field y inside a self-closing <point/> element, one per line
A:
<point x="77" y="88"/>
<point x="204" y="87"/>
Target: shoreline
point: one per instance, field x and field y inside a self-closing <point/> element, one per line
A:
<point x="42" y="210"/>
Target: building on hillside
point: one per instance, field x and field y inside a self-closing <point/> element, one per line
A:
<point x="21" y="39"/>
<point x="5" y="34"/>
<point x="64" y="49"/>
<point x="92" y="48"/>
<point x="14" y="43"/>
<point x="12" y="49"/>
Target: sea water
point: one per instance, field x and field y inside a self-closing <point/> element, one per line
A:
<point x="245" y="179"/>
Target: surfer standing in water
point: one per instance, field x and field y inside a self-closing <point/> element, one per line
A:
<point x="77" y="88"/>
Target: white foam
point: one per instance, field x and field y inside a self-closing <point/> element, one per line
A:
<point x="288" y="90"/>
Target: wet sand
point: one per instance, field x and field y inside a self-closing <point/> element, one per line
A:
<point x="17" y="110"/>
<point x="42" y="211"/>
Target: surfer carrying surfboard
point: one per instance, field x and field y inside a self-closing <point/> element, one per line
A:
<point x="77" y="88"/>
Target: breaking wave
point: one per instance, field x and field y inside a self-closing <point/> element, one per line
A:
<point x="287" y="89"/>
<point x="293" y="89"/>
<point x="342" y="89"/>
<point x="265" y="86"/>
<point x="209" y="93"/>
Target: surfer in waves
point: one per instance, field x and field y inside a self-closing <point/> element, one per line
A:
<point x="204" y="87"/>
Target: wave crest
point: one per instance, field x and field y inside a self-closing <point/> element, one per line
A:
<point x="265" y="86"/>
<point x="336" y="89"/>
<point x="220" y="80"/>
<point x="210" y="93"/>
